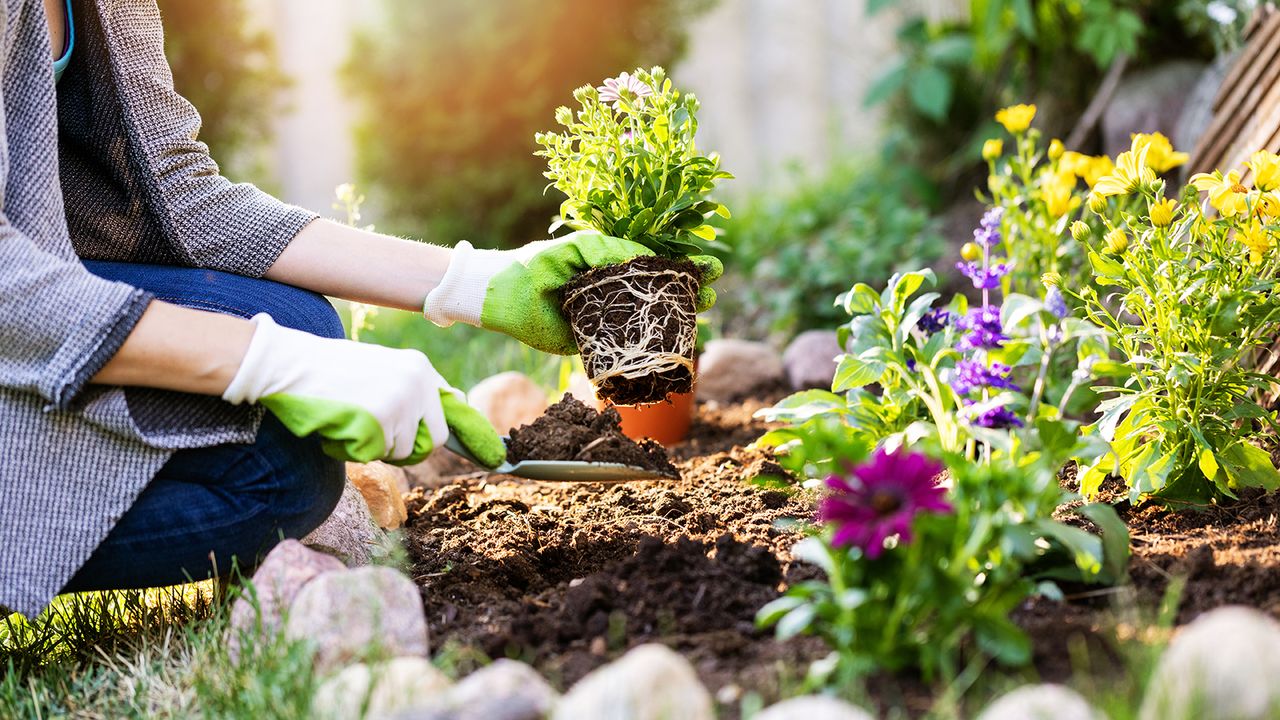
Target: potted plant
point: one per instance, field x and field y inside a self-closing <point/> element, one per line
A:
<point x="628" y="165"/>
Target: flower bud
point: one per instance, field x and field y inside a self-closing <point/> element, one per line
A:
<point x="971" y="251"/>
<point x="1056" y="149"/>
<point x="1096" y="203"/>
<point x="564" y="115"/>
<point x="992" y="149"/>
<point x="1051" y="279"/>
<point x="1162" y="212"/>
<point x="1081" y="231"/>
<point x="1117" y="241"/>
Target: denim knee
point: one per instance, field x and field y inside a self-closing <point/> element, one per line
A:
<point x="308" y="483"/>
<point x="301" y="310"/>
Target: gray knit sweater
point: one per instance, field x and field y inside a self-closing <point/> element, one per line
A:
<point x="104" y="166"/>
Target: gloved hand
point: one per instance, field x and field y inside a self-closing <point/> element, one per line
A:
<point x="516" y="292"/>
<point x="366" y="402"/>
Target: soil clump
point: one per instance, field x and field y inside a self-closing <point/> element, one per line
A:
<point x="569" y="430"/>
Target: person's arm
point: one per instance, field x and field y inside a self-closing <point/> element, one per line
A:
<point x="176" y="348"/>
<point x="353" y="264"/>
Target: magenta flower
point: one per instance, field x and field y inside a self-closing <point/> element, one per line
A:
<point x="880" y="498"/>
<point x="612" y="89"/>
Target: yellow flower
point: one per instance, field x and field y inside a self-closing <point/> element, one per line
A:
<point x="1268" y="205"/>
<point x="1226" y="194"/>
<point x="1081" y="231"/>
<point x="1162" y="212"/>
<point x="1056" y="149"/>
<point x="1116" y="241"/>
<point x="1258" y="239"/>
<point x="1160" y="154"/>
<point x="1051" y="279"/>
<point x="1085" y="167"/>
<point x="1266" y="170"/>
<point x="1059" y="193"/>
<point x="992" y="149"/>
<point x="1016" y="118"/>
<point x="1131" y="173"/>
<point x="1096" y="203"/>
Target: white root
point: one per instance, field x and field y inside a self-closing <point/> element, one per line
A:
<point x="633" y="348"/>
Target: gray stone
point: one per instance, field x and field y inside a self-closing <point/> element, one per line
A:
<point x="503" y="690"/>
<point x="380" y="690"/>
<point x="730" y="369"/>
<point x="350" y="534"/>
<point x="650" y="682"/>
<point x="1223" y="665"/>
<point x="1041" y="702"/>
<point x="810" y="359"/>
<point x="1149" y="100"/>
<point x="816" y="707"/>
<point x="355" y="614"/>
<point x="281" y="576"/>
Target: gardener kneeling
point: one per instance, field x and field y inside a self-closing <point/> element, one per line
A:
<point x="150" y="310"/>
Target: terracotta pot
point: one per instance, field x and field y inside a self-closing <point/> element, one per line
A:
<point x="667" y="422"/>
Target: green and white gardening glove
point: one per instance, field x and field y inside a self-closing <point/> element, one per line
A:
<point x="516" y="292"/>
<point x="367" y="402"/>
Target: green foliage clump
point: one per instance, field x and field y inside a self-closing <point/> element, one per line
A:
<point x="631" y="169"/>
<point x="792" y="252"/>
<point x="229" y="71"/>
<point x="452" y="94"/>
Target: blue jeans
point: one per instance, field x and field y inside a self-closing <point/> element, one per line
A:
<point x="208" y="508"/>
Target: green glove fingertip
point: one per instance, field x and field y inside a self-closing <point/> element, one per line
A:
<point x="709" y="268"/>
<point x="473" y="431"/>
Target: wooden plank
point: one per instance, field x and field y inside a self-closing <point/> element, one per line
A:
<point x="1231" y="116"/>
<point x="1254" y="58"/>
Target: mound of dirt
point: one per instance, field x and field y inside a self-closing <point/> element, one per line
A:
<point x="569" y="430"/>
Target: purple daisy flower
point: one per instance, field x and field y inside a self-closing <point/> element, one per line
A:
<point x="880" y="498"/>
<point x="613" y="88"/>
<point x="984" y="278"/>
<point x="983" y="329"/>
<point x="934" y="321"/>
<point x="971" y="375"/>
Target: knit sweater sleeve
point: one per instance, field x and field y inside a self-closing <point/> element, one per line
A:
<point x="215" y="223"/>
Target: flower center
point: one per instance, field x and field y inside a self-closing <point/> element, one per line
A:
<point x="1239" y="189"/>
<point x="885" y="502"/>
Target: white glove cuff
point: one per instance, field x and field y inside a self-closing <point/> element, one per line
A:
<point x="247" y="385"/>
<point x="460" y="295"/>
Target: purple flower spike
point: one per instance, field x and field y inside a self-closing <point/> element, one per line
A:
<point x="984" y="278"/>
<point x="1056" y="303"/>
<point x="997" y="418"/>
<point x="934" y="321"/>
<point x="613" y="88"/>
<point x="983" y="329"/>
<point x="880" y="498"/>
<point x="988" y="232"/>
<point x="971" y="375"/>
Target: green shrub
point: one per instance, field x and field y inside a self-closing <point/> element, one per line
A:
<point x="792" y="253"/>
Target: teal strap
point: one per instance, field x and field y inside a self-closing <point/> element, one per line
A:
<point x="60" y="65"/>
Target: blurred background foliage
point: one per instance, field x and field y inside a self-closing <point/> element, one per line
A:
<point x="228" y="69"/>
<point x="452" y="93"/>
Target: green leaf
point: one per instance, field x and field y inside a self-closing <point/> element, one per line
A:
<point x="875" y="6"/>
<point x="930" y="90"/>
<point x="1208" y="465"/>
<point x="706" y="232"/>
<point x="889" y="82"/>
<point x="1003" y="640"/>
<point x="1249" y="466"/>
<point x="796" y="621"/>
<point x="855" y="372"/>
<point x="1105" y="268"/>
<point x="860" y="300"/>
<point x="1115" y="541"/>
<point x="771" y="613"/>
<point x="812" y="550"/>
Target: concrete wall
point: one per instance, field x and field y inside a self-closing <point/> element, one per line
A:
<point x="781" y="82"/>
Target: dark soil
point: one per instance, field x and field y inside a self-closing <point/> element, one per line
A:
<point x="611" y="305"/>
<point x="569" y="430"/>
<point x="569" y="576"/>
